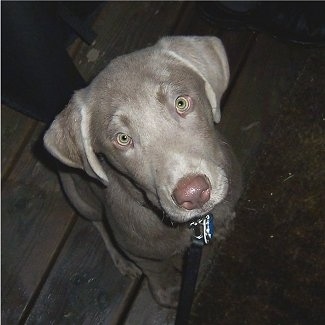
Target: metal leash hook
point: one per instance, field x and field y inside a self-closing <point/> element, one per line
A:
<point x="203" y="230"/>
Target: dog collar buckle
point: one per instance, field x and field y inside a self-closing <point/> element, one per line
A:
<point x="203" y="229"/>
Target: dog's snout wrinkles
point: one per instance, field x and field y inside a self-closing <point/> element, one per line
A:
<point x="192" y="192"/>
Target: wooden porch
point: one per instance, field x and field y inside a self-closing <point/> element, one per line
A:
<point x="55" y="269"/>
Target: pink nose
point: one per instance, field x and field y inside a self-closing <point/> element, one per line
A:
<point x="192" y="192"/>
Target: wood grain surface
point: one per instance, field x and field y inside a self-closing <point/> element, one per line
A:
<point x="55" y="269"/>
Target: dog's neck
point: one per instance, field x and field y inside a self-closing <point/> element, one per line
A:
<point x="161" y="214"/>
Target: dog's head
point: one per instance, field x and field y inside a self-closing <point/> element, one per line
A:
<point x="151" y="113"/>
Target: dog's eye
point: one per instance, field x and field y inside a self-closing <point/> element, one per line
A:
<point x="123" y="139"/>
<point x="182" y="104"/>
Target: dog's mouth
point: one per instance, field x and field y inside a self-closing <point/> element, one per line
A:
<point x="184" y="220"/>
<point x="174" y="220"/>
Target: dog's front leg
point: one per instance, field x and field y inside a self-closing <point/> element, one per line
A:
<point x="164" y="279"/>
<point x="125" y="266"/>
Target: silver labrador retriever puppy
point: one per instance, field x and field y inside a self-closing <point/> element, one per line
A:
<point x="143" y="132"/>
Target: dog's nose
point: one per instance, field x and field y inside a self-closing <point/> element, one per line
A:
<point x="192" y="192"/>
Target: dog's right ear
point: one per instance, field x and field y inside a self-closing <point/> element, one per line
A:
<point x="68" y="139"/>
<point x="207" y="57"/>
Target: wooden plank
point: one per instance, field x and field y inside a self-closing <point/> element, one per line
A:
<point x="16" y="130"/>
<point x="84" y="286"/>
<point x="274" y="259"/>
<point x="266" y="78"/>
<point x="35" y="218"/>
<point x="146" y="22"/>
<point x="255" y="99"/>
<point x="238" y="46"/>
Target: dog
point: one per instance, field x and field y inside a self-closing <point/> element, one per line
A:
<point x="145" y="157"/>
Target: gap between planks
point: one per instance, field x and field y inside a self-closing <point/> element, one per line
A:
<point x="47" y="271"/>
<point x="21" y="140"/>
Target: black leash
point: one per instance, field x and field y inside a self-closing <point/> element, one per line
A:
<point x="203" y="232"/>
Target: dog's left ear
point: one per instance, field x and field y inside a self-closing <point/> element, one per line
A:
<point x="207" y="57"/>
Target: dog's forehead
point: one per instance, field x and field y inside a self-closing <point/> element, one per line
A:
<point x="142" y="74"/>
<point x="140" y="85"/>
<point x="136" y="84"/>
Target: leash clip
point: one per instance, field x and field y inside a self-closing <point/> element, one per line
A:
<point x="203" y="229"/>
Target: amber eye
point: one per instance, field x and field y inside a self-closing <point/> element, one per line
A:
<point x="182" y="104"/>
<point x="123" y="139"/>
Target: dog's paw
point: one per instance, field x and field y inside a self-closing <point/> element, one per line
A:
<point x="128" y="268"/>
<point x="166" y="289"/>
<point x="167" y="297"/>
